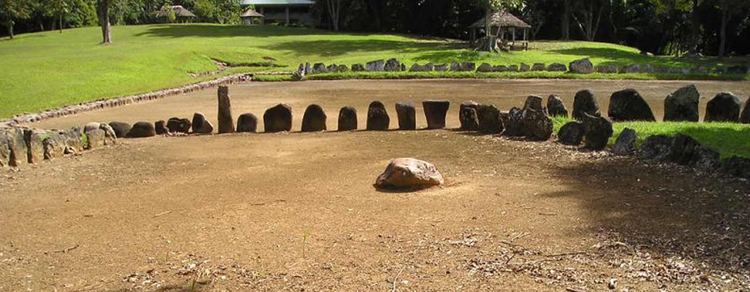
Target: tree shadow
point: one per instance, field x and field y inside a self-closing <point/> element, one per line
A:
<point x="330" y="48"/>
<point x="218" y="31"/>
<point x="618" y="55"/>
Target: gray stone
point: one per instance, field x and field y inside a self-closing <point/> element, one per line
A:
<point x="585" y="103"/>
<point x="121" y="129"/>
<point x="537" y="126"/>
<point x="407" y="117"/>
<point x="632" y="68"/>
<point x="314" y="119"/>
<point x="524" y="67"/>
<point x="319" y="68"/>
<point x="538" y="67"/>
<point x="724" y="107"/>
<point x="178" y="125"/>
<point x="409" y="174"/>
<point x="682" y="105"/>
<point x="247" y="123"/>
<point x="513" y="68"/>
<point x="571" y="133"/>
<point x="556" y="107"/>
<point x="378" y="65"/>
<point x="557" y="67"/>
<point x="392" y="65"/>
<point x="484" y="68"/>
<point x="434" y="112"/>
<point x="358" y="68"/>
<point x="5" y="141"/>
<point x="278" y="119"/>
<point x="489" y="119"/>
<point x="609" y="68"/>
<point x="377" y="117"/>
<point x="226" y="122"/>
<point x="656" y="148"/>
<point x="333" y="68"/>
<point x="441" y="67"/>
<point x="34" y="144"/>
<point x="500" y="68"/>
<point x="468" y="116"/>
<point x="582" y="66"/>
<point x="628" y="105"/>
<point x="347" y="119"/>
<point x="342" y="68"/>
<point x="598" y="131"/>
<point x="422" y="68"/>
<point x="625" y="143"/>
<point x="142" y="130"/>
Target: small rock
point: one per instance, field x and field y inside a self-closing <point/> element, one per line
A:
<point x="178" y="125"/>
<point x="201" y="125"/>
<point x="582" y="66"/>
<point x="682" y="105"/>
<point x="536" y="125"/>
<point x="142" y="130"/>
<point x="628" y="105"/>
<point x="585" y="103"/>
<point x="656" y="148"/>
<point x="557" y="67"/>
<point x="745" y="116"/>
<point x="598" y="131"/>
<point x="489" y="119"/>
<point x="468" y="116"/>
<point x="514" y="123"/>
<point x="121" y="129"/>
<point x="161" y="127"/>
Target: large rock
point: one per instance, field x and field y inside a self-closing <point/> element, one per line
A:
<point x="538" y="67"/>
<point x="142" y="130"/>
<point x="314" y="119"/>
<point x="536" y="124"/>
<point x="514" y="123"/>
<point x="571" y="133"/>
<point x="585" y="103"/>
<point x="407" y="116"/>
<point x="434" y="112"/>
<point x="582" y="66"/>
<point x="178" y="125"/>
<point x="682" y="105"/>
<point x="5" y="141"/>
<point x="392" y="65"/>
<point x="656" y="148"/>
<point x="598" y="131"/>
<point x="557" y="67"/>
<point x="377" y="117"/>
<point x="34" y="144"/>
<point x="628" y="105"/>
<point x="556" y="107"/>
<point x="247" y="123"/>
<point x="737" y="166"/>
<point x="98" y="135"/>
<point x="121" y="129"/>
<point x="358" y="68"/>
<point x="54" y="145"/>
<point x="724" y="107"/>
<point x="319" y="68"/>
<point x="226" y="122"/>
<point x="409" y="174"/>
<point x="378" y="65"/>
<point x="161" y="127"/>
<point x="347" y="119"/>
<point x="534" y="102"/>
<point x="422" y="68"/>
<point x="687" y="151"/>
<point x="484" y="68"/>
<point x="745" y="116"/>
<point x="201" y="125"/>
<point x="625" y="143"/>
<point x="608" y="68"/>
<point x="441" y="67"/>
<point x="278" y="118"/>
<point x="468" y="116"/>
<point x="489" y="119"/>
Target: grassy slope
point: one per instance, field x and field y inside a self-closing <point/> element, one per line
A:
<point x="49" y="69"/>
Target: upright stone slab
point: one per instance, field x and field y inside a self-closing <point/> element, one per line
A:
<point x="435" y="111"/>
<point x="514" y="124"/>
<point x="724" y="107"/>
<point x="392" y="65"/>
<point x="628" y="105"/>
<point x="34" y="144"/>
<point x="745" y="116"/>
<point x="582" y="66"/>
<point x="121" y="128"/>
<point x="278" y="119"/>
<point x="142" y="130"/>
<point x="534" y="102"/>
<point x="598" y="131"/>
<point x="585" y="103"/>
<point x="377" y="117"/>
<point x="95" y="136"/>
<point x="314" y="119"/>
<point x="682" y="105"/>
<point x="247" y="123"/>
<point x="179" y="125"/>
<point x="407" y="116"/>
<point x="5" y="141"/>
<point x="347" y="119"/>
<point x="556" y="107"/>
<point x="226" y="123"/>
<point x="489" y="119"/>
<point x="468" y="116"/>
<point x="18" y="149"/>
<point x="197" y="122"/>
<point x="161" y="127"/>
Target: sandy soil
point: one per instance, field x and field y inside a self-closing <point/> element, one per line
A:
<point x="298" y="212"/>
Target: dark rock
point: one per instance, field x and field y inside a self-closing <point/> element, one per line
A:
<point x="409" y="173"/>
<point x="536" y="124"/>
<point x="512" y="68"/>
<point x="582" y="66"/>
<point x="499" y="68"/>
<point x="610" y="68"/>
<point x="724" y="107"/>
<point x="347" y="119"/>
<point x="278" y="118"/>
<point x="468" y="66"/>
<point x="422" y="68"/>
<point x="687" y="151"/>
<point x="314" y="119"/>
<point x="556" y="107"/>
<point x="489" y="119"/>
<point x="628" y="105"/>
<point x="319" y="68"/>
<point x="745" y="116"/>
<point x="226" y="122"/>
<point x="557" y="67"/>
<point x="247" y="123"/>
<point x="534" y="102"/>
<point x="378" y="65"/>
<point x="358" y="68"/>
<point x="585" y="103"/>
<point x="514" y="124"/>
<point x="121" y="129"/>
<point x="392" y="65"/>
<point x="377" y="117"/>
<point x="484" y="68"/>
<point x="468" y="116"/>
<point x="625" y="143"/>
<point x="333" y="68"/>
<point x="407" y="117"/>
<point x="441" y="67"/>
<point x="538" y="67"/>
<point x="598" y="131"/>
<point x="142" y="130"/>
<point x="737" y="166"/>
<point x="178" y="125"/>
<point x="434" y="112"/>
<point x="201" y="125"/>
<point x="161" y="127"/>
<point x="342" y="68"/>
<point x="571" y="133"/>
<point x="656" y="148"/>
<point x="524" y="67"/>
<point x="682" y="105"/>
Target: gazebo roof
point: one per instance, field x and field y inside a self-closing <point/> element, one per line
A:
<point x="503" y="19"/>
<point x="179" y="11"/>
<point x="251" y="13"/>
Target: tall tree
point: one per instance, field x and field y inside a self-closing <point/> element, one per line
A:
<point x="565" y="20"/>
<point x="728" y="9"/>
<point x="58" y="9"/>
<point x="489" y="42"/>
<point x="334" y="11"/>
<point x="102" y="11"/>
<point x="589" y="17"/>
<point x="12" y="10"/>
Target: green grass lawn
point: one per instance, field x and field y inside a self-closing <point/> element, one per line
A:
<point x="49" y="69"/>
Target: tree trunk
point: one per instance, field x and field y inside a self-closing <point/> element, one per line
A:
<point x="334" y="9"/>
<point x="104" y="21"/>
<point x="695" y="31"/>
<point x="10" y="24"/>
<point x="565" y="21"/>
<point x="723" y="32"/>
<point x="487" y="44"/>
<point x="487" y="22"/>
<point x="61" y="23"/>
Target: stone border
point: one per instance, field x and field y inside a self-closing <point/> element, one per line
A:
<point x="120" y="101"/>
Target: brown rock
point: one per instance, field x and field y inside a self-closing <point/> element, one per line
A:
<point x="226" y="123"/>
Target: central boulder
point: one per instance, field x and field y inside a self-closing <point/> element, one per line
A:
<point x="409" y="174"/>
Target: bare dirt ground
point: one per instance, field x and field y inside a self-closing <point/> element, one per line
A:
<point x="298" y="211"/>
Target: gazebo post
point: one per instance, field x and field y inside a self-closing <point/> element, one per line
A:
<point x="286" y="11"/>
<point x="513" y="33"/>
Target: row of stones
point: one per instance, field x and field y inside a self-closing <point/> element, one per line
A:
<point x="119" y="101"/>
<point x="581" y="66"/>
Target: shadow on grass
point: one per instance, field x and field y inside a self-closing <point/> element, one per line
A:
<point x="218" y="31"/>
<point x="665" y="212"/>
<point x="331" y="48"/>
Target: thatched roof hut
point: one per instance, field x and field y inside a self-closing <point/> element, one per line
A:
<point x="251" y="16"/>
<point x="502" y="24"/>
<point x="502" y="19"/>
<point x="179" y="11"/>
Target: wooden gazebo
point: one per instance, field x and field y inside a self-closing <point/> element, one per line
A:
<point x="503" y="25"/>
<point x="251" y="17"/>
<point x="181" y="13"/>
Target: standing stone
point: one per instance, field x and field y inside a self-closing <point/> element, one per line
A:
<point x="319" y="68"/>
<point x="5" y="141"/>
<point x="314" y="119"/>
<point x="534" y="102"/>
<point x="407" y="117"/>
<point x="585" y="103"/>
<point x="625" y="143"/>
<point x="682" y="105"/>
<point x="34" y="144"/>
<point x="536" y="124"/>
<point x="54" y="145"/>
<point x="582" y="66"/>
<point x="201" y="125"/>
<point x="556" y="107"/>
<point x="724" y="107"/>
<point x="392" y="65"/>
<point x="628" y="105"/>
<point x="18" y="149"/>
<point x="226" y="123"/>
<point x="377" y="117"/>
<point x="571" y="133"/>
<point x="656" y="148"/>
<point x="121" y="129"/>
<point x="347" y="119"/>
<point x="489" y="119"/>
<point x="435" y="111"/>
<point x="161" y="127"/>
<point x="142" y="130"/>
<point x="468" y="116"/>
<point x="514" y="123"/>
<point x="598" y="131"/>
<point x="247" y="123"/>
<point x="745" y="116"/>
<point x="278" y="118"/>
<point x="94" y="135"/>
<point x="378" y="65"/>
<point x="178" y="125"/>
